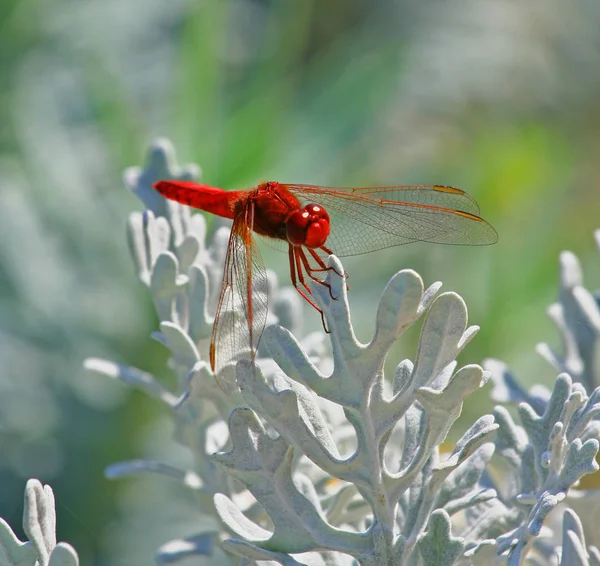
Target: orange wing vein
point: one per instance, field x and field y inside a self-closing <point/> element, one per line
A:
<point x="242" y="310"/>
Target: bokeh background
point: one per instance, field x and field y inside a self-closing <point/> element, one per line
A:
<point x="498" y="97"/>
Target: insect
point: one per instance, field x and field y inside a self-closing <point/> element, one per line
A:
<point x="314" y="222"/>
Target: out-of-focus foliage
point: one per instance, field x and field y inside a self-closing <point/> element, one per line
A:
<point x="39" y="524"/>
<point x="499" y="98"/>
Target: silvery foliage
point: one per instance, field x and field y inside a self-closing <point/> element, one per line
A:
<point x="344" y="469"/>
<point x="347" y="469"/>
<point x="557" y="441"/>
<point x="317" y="470"/>
<point x="39" y="524"/>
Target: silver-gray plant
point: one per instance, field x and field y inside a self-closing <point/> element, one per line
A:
<point x="39" y="524"/>
<point x="326" y="461"/>
<point x="312" y="456"/>
<point x="558" y="440"/>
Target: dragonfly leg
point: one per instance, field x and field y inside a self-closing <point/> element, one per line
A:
<point x="322" y="267"/>
<point x="322" y="263"/>
<point x="299" y="261"/>
<point x="296" y="276"/>
<point x="311" y="270"/>
<point x="319" y="260"/>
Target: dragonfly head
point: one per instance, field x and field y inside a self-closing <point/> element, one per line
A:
<point x="308" y="226"/>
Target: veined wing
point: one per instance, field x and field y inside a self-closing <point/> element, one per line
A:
<point x="242" y="310"/>
<point x="372" y="218"/>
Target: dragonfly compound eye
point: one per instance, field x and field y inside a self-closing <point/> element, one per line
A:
<point x="308" y="226"/>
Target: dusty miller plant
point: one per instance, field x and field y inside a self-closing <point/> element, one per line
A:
<point x="39" y="524"/>
<point x="312" y="457"/>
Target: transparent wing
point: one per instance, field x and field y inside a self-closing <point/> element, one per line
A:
<point x="242" y="310"/>
<point x="368" y="219"/>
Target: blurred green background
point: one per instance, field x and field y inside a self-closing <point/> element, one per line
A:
<point x="498" y="97"/>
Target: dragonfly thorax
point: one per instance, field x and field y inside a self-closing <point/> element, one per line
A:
<point x="308" y="226"/>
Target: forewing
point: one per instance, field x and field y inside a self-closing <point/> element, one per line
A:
<point x="368" y="219"/>
<point x="242" y="311"/>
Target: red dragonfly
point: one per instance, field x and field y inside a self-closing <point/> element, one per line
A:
<point x="315" y="222"/>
